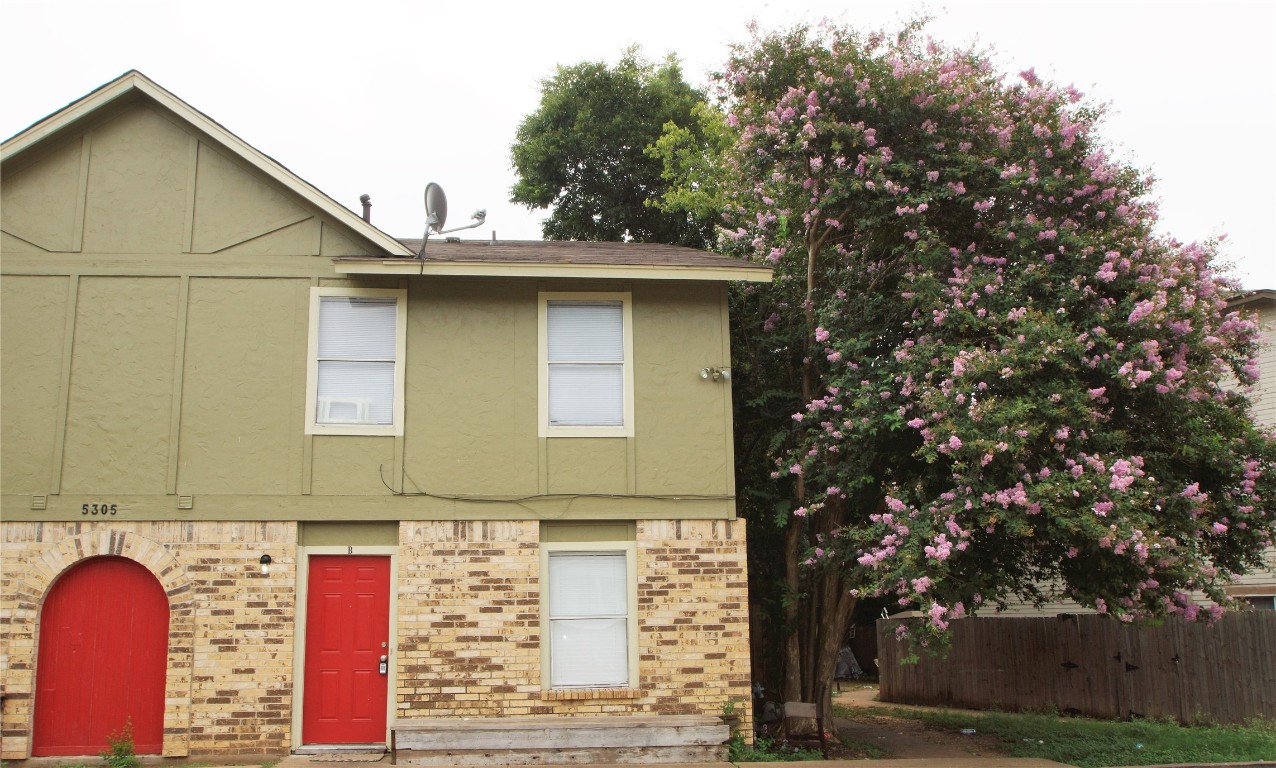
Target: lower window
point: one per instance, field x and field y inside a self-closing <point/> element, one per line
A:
<point x="588" y="618"/>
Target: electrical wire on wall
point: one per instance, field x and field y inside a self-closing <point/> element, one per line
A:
<point x="524" y="500"/>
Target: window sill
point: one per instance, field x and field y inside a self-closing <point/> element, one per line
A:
<point x="588" y="694"/>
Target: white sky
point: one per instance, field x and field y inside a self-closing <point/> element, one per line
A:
<point x="381" y="97"/>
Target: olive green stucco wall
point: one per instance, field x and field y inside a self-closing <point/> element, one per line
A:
<point x="155" y="316"/>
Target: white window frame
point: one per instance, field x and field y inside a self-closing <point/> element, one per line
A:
<point x="626" y="429"/>
<point x="629" y="549"/>
<point x="313" y="427"/>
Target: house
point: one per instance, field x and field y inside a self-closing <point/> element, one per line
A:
<point x="270" y="482"/>
<point x="1259" y="588"/>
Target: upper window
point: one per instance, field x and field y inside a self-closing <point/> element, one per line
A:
<point x="354" y="385"/>
<point x="586" y="365"/>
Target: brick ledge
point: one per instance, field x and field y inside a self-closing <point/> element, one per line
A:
<point x="586" y="694"/>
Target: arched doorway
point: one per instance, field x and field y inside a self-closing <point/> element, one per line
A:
<point x="102" y="659"/>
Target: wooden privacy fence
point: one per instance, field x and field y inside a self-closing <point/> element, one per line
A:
<point x="1092" y="665"/>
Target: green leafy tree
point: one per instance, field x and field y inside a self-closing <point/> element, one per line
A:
<point x="979" y="371"/>
<point x="582" y="152"/>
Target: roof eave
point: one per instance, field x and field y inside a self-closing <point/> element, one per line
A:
<point x="743" y="273"/>
<point x="1251" y="297"/>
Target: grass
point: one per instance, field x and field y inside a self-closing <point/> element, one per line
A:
<point x="1098" y="743"/>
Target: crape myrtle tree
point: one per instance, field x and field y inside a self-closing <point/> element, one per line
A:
<point x="582" y="153"/>
<point x="979" y="373"/>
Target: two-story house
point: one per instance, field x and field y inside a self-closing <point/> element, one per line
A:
<point x="272" y="481"/>
<point x="1259" y="588"/>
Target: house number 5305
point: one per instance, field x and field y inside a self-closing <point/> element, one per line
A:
<point x="99" y="509"/>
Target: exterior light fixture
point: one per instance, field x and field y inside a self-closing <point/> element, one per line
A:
<point x="265" y="564"/>
<point x="715" y="373"/>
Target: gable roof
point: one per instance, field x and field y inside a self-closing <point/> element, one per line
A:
<point x="559" y="258"/>
<point x="133" y="83"/>
<point x="524" y="258"/>
<point x="1260" y="296"/>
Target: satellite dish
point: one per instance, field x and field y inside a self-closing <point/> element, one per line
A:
<point x="436" y="215"/>
<point x="435" y="207"/>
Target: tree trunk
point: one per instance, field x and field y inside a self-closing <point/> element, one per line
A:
<point x="792" y="687"/>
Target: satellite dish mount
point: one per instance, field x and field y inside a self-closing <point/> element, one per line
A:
<point x="436" y="215"/>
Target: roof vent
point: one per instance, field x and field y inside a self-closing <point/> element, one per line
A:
<point x="367" y="207"/>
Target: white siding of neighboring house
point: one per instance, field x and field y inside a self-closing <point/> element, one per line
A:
<point x="1262" y="585"/>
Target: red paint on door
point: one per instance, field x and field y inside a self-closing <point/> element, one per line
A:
<point x="347" y="633"/>
<point x="102" y="659"/>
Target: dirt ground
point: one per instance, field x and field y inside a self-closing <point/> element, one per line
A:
<point x="902" y="738"/>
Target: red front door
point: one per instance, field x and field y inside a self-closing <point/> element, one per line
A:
<point x="102" y="659"/>
<point x="347" y="636"/>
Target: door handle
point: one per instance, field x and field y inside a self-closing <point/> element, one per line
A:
<point x="384" y="666"/>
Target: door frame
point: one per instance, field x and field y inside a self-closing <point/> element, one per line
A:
<point x="299" y="633"/>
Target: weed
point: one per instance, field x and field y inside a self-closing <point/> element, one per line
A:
<point x="119" y="752"/>
<point x="767" y="750"/>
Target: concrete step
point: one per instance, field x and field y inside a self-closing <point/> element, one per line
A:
<point x="559" y="740"/>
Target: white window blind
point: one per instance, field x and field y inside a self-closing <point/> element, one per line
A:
<point x="356" y="360"/>
<point x="586" y="357"/>
<point x="588" y="619"/>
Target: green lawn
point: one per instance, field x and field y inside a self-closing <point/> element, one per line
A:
<point x="1098" y="743"/>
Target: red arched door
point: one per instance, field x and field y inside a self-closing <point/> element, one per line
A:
<point x="103" y="654"/>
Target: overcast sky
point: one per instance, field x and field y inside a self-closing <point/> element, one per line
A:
<point x="382" y="97"/>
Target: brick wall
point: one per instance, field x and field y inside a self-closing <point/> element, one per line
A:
<point x="229" y="670"/>
<point x="693" y="616"/>
<point x="469" y="622"/>
<point x="468" y="636"/>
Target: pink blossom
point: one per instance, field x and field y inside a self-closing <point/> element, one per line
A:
<point x="937" y="613"/>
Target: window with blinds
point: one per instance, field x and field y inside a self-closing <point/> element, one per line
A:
<point x="355" y="378"/>
<point x="588" y="618"/>
<point x="586" y="372"/>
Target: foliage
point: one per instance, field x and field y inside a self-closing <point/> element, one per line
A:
<point x="1084" y="742"/>
<point x="767" y="750"/>
<point x="583" y="152"/>
<point x="119" y="752"/>
<point x="979" y="370"/>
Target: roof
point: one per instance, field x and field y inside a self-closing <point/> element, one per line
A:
<point x="1252" y="297"/>
<point x="526" y="258"/>
<point x="559" y="258"/>
<point x="134" y="83"/>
